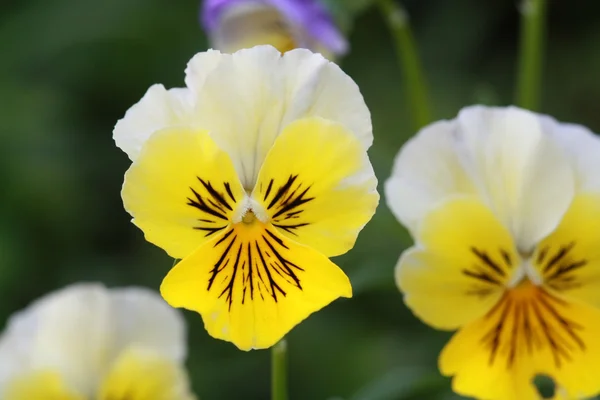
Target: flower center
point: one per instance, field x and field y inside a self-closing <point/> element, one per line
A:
<point x="249" y="211"/>
<point x="525" y="271"/>
<point x="249" y="218"/>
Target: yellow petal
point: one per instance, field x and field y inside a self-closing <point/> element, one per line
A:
<point x="42" y="385"/>
<point x="468" y="358"/>
<point x="317" y="185"/>
<point x="458" y="271"/>
<point x="142" y="375"/>
<point x="252" y="285"/>
<point x="530" y="331"/>
<point x="572" y="359"/>
<point x="182" y="190"/>
<point x="569" y="259"/>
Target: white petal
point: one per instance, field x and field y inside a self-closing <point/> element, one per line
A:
<point x="582" y="147"/>
<point x="320" y="88"/>
<point x="426" y="171"/>
<point x="502" y="154"/>
<point x="525" y="175"/>
<point x="79" y="331"/>
<point x="143" y="319"/>
<point x="247" y="100"/>
<point x="15" y="345"/>
<point x="159" y="108"/>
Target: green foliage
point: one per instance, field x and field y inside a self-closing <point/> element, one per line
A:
<point x="69" y="70"/>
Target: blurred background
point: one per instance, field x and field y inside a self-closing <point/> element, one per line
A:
<point x="69" y="69"/>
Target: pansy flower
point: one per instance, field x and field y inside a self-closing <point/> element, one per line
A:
<point x="86" y="342"/>
<point x="285" y="24"/>
<point x="254" y="174"/>
<point x="504" y="207"/>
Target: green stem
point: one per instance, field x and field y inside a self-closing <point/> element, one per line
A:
<point x="533" y="16"/>
<point x="279" y="371"/>
<point x="406" y="51"/>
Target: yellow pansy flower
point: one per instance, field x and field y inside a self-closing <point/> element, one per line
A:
<point x="86" y="342"/>
<point x="253" y="175"/>
<point x="504" y="207"/>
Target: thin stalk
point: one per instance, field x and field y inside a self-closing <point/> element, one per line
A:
<point x="531" y="52"/>
<point x="279" y="371"/>
<point x="406" y="50"/>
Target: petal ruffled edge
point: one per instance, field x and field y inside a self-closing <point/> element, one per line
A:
<point x="426" y="171"/>
<point x="295" y="85"/>
<point x="159" y="108"/>
<point x="270" y="91"/>
<point x="582" y="146"/>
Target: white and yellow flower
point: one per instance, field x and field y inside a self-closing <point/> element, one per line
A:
<point x="86" y="342"/>
<point x="254" y="174"/>
<point x="504" y="207"/>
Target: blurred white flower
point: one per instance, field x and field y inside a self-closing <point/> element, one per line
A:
<point x="89" y="342"/>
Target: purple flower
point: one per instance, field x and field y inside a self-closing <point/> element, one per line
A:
<point x="285" y="24"/>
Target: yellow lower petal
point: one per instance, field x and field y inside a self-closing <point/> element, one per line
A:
<point x="42" y="385"/>
<point x="459" y="270"/>
<point x="530" y="331"/>
<point x="487" y="358"/>
<point x="317" y="185"/>
<point x="468" y="361"/>
<point x="252" y="285"/>
<point x="144" y="375"/>
<point x="182" y="190"/>
<point x="574" y="361"/>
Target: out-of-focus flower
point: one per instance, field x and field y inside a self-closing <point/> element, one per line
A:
<point x="86" y="342"/>
<point x="254" y="175"/>
<point x="285" y="24"/>
<point x="504" y="206"/>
